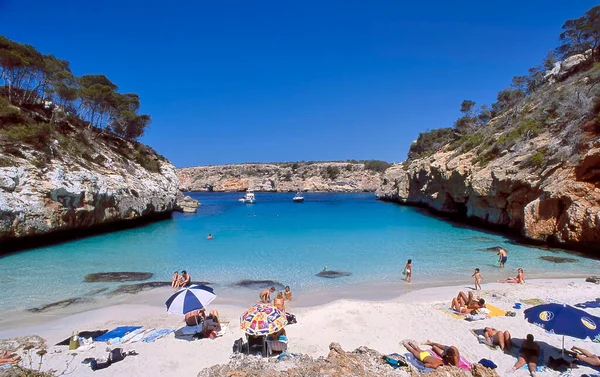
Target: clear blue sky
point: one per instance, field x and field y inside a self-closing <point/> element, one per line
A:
<point x="280" y="80"/>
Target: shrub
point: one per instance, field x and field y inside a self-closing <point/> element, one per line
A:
<point x="148" y="162"/>
<point x="287" y="177"/>
<point x="537" y="159"/>
<point x="331" y="172"/>
<point x="429" y="142"/>
<point x="376" y="165"/>
<point x="38" y="134"/>
<point x="6" y="162"/>
<point x="528" y="128"/>
<point x="10" y="115"/>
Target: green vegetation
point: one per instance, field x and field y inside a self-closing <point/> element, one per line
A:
<point x="527" y="129"/>
<point x="429" y="142"/>
<point x="331" y="172"/>
<point x="538" y="159"/>
<point x="376" y="165"/>
<point x="45" y="83"/>
<point x="37" y="134"/>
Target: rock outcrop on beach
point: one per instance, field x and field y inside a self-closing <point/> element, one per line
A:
<point x="79" y="185"/>
<point x="284" y="177"/>
<point x="534" y="169"/>
<point x="362" y="362"/>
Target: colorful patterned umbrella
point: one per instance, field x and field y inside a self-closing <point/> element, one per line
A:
<point x="262" y="320"/>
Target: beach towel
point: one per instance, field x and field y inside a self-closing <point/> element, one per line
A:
<point x="412" y="360"/>
<point x="127" y="337"/>
<point x="452" y="313"/>
<point x="479" y="334"/>
<point x="156" y="334"/>
<point x="589" y="304"/>
<point x="136" y="336"/>
<point x="84" y="334"/>
<point x="533" y="301"/>
<point x="493" y="312"/>
<point x="540" y="363"/>
<point x="463" y="363"/>
<point x="118" y="332"/>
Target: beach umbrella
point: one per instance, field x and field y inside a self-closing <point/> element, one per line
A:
<point x="564" y="320"/>
<point x="262" y="320"/>
<point x="190" y="298"/>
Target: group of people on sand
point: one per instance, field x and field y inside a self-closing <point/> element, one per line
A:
<point x="210" y="323"/>
<point x="180" y="281"/>
<point x="467" y="304"/>
<point x="279" y="300"/>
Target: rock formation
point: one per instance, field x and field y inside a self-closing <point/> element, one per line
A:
<point x="535" y="169"/>
<point x="64" y="189"/>
<point x="362" y="362"/>
<point x="186" y="204"/>
<point x="286" y="177"/>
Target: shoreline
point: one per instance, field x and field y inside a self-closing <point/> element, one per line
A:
<point x="372" y="322"/>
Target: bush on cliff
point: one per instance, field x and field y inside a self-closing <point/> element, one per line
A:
<point x="431" y="141"/>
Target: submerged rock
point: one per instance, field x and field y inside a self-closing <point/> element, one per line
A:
<point x="59" y="304"/>
<point x="491" y="249"/>
<point x="139" y="287"/>
<point x="593" y="279"/>
<point x="117" y="276"/>
<point x="96" y="291"/>
<point x="362" y="362"/>
<point x="554" y="259"/>
<point x="333" y="274"/>
<point x="259" y="284"/>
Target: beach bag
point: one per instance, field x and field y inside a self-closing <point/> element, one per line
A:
<point x="488" y="363"/>
<point x="116" y="355"/>
<point x="395" y="360"/>
<point x="290" y="318"/>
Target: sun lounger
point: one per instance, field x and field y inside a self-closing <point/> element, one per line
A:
<point x="276" y="346"/>
<point x="257" y="345"/>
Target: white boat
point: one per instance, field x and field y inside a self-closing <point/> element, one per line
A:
<point x="248" y="198"/>
<point x="298" y="198"/>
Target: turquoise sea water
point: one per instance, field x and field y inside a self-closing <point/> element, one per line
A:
<point x="280" y="240"/>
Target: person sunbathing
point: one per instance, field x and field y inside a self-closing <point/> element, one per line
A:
<point x="449" y="354"/>
<point x="428" y="360"/>
<point x="466" y="305"/>
<point x="195" y="317"/>
<point x="519" y="279"/>
<point x="497" y="337"/>
<point x="7" y="358"/>
<point x="211" y="323"/>
<point x="528" y="354"/>
<point x="586" y="356"/>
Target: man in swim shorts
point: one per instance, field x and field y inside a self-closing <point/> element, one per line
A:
<point x="424" y="356"/>
<point x="503" y="256"/>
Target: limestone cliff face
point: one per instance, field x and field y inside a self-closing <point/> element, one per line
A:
<point x="71" y="193"/>
<point x="322" y="176"/>
<point x="546" y="185"/>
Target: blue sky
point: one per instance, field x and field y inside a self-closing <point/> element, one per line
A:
<point x="263" y="81"/>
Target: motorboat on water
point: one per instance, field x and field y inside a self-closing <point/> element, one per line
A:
<point x="298" y="198"/>
<point x="248" y="198"/>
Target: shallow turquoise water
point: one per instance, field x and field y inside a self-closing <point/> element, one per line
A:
<point x="279" y="240"/>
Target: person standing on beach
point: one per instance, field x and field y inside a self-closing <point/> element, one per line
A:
<point x="265" y="295"/>
<point x="408" y="271"/>
<point x="478" y="279"/>
<point x="503" y="256"/>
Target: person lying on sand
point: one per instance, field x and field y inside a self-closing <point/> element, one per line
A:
<point x="466" y="304"/>
<point x="585" y="356"/>
<point x="211" y="323"/>
<point x="424" y="356"/>
<point x="449" y="354"/>
<point x="195" y="317"/>
<point x="529" y="354"/>
<point x="519" y="279"/>
<point x="500" y="338"/>
<point x="265" y="295"/>
<point x="7" y="358"/>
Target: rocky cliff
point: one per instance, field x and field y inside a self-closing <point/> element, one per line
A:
<point x="534" y="169"/>
<point x="70" y="179"/>
<point x="287" y="177"/>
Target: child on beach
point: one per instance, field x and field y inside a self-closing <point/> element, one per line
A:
<point x="175" y="281"/>
<point x="408" y="271"/>
<point x="478" y="279"/>
<point x="288" y="293"/>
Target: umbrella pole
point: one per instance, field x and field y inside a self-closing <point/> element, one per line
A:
<point x="563" y="347"/>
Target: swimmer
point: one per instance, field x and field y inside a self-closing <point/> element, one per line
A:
<point x="210" y="236"/>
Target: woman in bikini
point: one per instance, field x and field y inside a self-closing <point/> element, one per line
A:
<point x="500" y="338"/>
<point x="519" y="279"/>
<point x="287" y="293"/>
<point x="279" y="302"/>
<point x="424" y="356"/>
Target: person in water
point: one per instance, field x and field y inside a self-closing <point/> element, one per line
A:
<point x="186" y="279"/>
<point x="428" y="360"/>
<point x="503" y="256"/>
<point x="519" y="279"/>
<point x="265" y="295"/>
<point x="175" y="281"/>
<point x="210" y="236"/>
<point x="287" y="293"/>
<point x="408" y="271"/>
<point x="279" y="302"/>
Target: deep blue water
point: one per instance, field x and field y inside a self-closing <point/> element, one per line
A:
<point x="275" y="239"/>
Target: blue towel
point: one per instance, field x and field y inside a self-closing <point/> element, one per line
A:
<point x="156" y="334"/>
<point x="412" y="360"/>
<point x="116" y="333"/>
<point x="589" y="304"/>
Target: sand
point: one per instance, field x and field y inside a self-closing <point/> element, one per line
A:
<point x="380" y="325"/>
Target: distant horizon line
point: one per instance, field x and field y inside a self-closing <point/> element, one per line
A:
<point x="352" y="161"/>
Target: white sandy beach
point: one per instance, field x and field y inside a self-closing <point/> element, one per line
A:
<point x="380" y="325"/>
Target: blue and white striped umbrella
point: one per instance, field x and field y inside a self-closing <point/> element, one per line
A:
<point x="190" y="298"/>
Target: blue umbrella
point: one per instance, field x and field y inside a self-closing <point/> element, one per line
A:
<point x="564" y="320"/>
<point x="191" y="298"/>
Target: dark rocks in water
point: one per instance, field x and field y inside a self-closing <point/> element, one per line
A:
<point x="117" y="276"/>
<point x="482" y="239"/>
<point x="139" y="287"/>
<point x="593" y="279"/>
<point x="96" y="291"/>
<point x="554" y="259"/>
<point x="333" y="274"/>
<point x="259" y="284"/>
<point x="60" y="304"/>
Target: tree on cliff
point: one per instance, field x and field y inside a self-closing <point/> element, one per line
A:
<point x="581" y="34"/>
